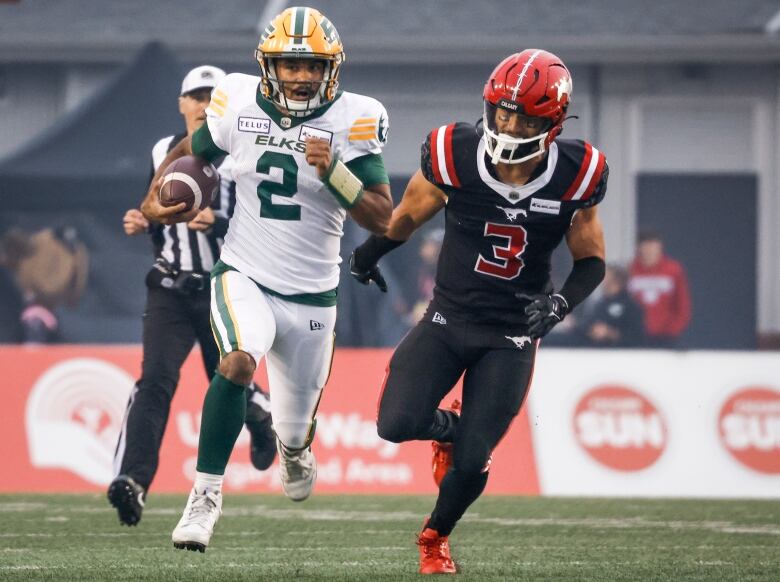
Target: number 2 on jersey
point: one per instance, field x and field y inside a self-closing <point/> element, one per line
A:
<point x="509" y="263"/>
<point x="288" y="187"/>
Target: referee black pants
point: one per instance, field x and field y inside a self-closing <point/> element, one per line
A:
<point x="173" y="321"/>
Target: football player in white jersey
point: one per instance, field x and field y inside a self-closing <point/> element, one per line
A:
<point x="306" y="155"/>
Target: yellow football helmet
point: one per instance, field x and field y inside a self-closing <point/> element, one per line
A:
<point x="300" y="33"/>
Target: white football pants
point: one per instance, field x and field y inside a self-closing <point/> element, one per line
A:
<point x="297" y="339"/>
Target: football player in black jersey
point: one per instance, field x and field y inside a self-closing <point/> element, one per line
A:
<point x="512" y="191"/>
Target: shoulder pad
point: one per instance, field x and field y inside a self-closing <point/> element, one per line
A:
<point x="369" y="124"/>
<point x="228" y="90"/>
<point x="591" y="172"/>
<point x="600" y="190"/>
<point x="448" y="153"/>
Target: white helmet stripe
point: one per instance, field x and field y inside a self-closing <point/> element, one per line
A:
<point x="305" y="26"/>
<point x="523" y="74"/>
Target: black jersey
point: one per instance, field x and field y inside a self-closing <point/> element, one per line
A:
<point x="499" y="238"/>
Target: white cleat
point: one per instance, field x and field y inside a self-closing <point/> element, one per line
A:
<point x="297" y="470"/>
<point x="193" y="532"/>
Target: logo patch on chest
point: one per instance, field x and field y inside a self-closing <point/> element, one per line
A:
<point x="512" y="213"/>
<point x="254" y="125"/>
<point x="545" y="206"/>
<point x="308" y="131"/>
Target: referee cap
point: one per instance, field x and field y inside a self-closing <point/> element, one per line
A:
<point x="204" y="77"/>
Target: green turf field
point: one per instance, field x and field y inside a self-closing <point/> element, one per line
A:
<point x="47" y="537"/>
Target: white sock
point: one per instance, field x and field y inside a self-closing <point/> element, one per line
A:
<point x="208" y="482"/>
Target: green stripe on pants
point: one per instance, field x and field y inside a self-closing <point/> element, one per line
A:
<point x="224" y="312"/>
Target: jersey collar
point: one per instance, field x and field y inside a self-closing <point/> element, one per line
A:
<point x="271" y="111"/>
<point x="527" y="189"/>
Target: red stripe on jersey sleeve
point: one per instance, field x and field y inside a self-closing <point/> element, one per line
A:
<point x="448" y="156"/>
<point x="435" y="157"/>
<point x="581" y="174"/>
<point x="595" y="178"/>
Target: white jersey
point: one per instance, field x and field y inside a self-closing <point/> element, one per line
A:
<point x="286" y="229"/>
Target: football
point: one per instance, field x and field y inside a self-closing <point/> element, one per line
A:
<point x="189" y="179"/>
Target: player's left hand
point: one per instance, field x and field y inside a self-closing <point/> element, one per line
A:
<point x="203" y="221"/>
<point x="544" y="312"/>
<point x="366" y="274"/>
<point x="319" y="155"/>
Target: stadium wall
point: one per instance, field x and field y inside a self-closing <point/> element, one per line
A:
<point x="608" y="423"/>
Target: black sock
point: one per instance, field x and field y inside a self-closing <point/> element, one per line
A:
<point x="456" y="493"/>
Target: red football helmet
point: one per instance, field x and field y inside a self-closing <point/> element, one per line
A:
<point x="534" y="83"/>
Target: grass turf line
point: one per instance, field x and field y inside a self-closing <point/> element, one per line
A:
<point x="78" y="537"/>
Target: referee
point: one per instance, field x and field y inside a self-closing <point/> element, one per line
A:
<point x="177" y="314"/>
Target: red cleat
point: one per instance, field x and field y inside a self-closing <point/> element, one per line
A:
<point x="435" y="553"/>
<point x="442" y="452"/>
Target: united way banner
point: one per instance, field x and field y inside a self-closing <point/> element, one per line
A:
<point x="64" y="406"/>
<point x="606" y="423"/>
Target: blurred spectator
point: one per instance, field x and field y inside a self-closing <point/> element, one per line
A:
<point x="51" y="268"/>
<point x="615" y="319"/>
<point x="426" y="273"/>
<point x="660" y="285"/>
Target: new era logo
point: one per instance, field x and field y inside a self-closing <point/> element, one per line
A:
<point x="439" y="318"/>
<point x="315" y="325"/>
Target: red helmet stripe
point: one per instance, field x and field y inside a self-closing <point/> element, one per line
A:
<point x="596" y="176"/>
<point x="435" y="155"/>
<point x="575" y="185"/>
<point x="448" y="157"/>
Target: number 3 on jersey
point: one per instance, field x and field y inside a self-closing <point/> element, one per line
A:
<point x="288" y="187"/>
<point x="508" y="264"/>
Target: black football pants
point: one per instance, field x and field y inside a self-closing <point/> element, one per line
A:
<point x="172" y="322"/>
<point x="424" y="368"/>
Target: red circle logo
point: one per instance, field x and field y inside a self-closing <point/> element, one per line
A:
<point x="620" y="428"/>
<point x="749" y="426"/>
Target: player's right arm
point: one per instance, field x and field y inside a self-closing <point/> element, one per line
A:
<point x="151" y="207"/>
<point x="420" y="202"/>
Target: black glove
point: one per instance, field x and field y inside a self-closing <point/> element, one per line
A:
<point x="366" y="275"/>
<point x="543" y="312"/>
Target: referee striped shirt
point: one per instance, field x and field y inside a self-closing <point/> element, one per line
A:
<point x="183" y="248"/>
